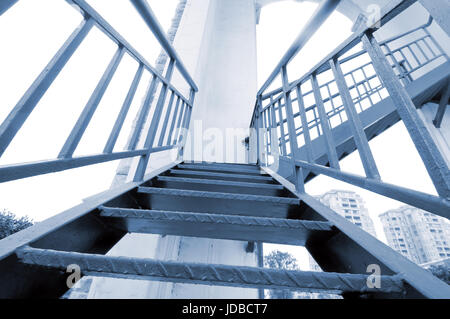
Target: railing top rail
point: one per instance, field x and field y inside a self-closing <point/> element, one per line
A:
<point x="149" y="17"/>
<point x="320" y="15"/>
<point x="154" y="26"/>
<point x="390" y="11"/>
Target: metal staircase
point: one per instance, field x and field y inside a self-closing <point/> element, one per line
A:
<point x="254" y="203"/>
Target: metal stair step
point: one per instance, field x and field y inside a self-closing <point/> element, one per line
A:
<point x="230" y="165"/>
<point x="221" y="203"/>
<point x="207" y="274"/>
<point x="214" y="185"/>
<point x="217" y="226"/>
<point x="223" y="176"/>
<point x="222" y="169"/>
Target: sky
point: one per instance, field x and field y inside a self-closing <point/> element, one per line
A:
<point x="29" y="39"/>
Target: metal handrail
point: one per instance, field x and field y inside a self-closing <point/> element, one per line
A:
<point x="19" y="114"/>
<point x="271" y="119"/>
<point x="321" y="14"/>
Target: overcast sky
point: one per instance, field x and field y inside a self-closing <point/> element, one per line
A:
<point x="29" y="39"/>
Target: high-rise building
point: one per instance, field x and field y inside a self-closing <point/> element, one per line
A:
<point x="350" y="206"/>
<point x="418" y="235"/>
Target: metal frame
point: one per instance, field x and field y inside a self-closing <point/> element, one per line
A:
<point x="359" y="90"/>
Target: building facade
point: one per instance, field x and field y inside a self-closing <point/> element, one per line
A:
<point x="420" y="236"/>
<point x="352" y="207"/>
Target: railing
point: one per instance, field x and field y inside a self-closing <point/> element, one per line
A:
<point x="170" y="134"/>
<point x="355" y="77"/>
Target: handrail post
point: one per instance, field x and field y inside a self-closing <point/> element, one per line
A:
<point x="305" y="127"/>
<point x="297" y="171"/>
<point x="427" y="148"/>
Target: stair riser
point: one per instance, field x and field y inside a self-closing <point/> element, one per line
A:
<point x="226" y="177"/>
<point x="221" y="188"/>
<point x="219" y="169"/>
<point x="218" y="206"/>
<point x="275" y="235"/>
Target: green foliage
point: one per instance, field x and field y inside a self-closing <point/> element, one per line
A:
<point x="10" y="223"/>
<point x="442" y="272"/>
<point x="280" y="260"/>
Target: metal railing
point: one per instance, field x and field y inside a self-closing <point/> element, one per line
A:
<point x="170" y="134"/>
<point x="355" y="77"/>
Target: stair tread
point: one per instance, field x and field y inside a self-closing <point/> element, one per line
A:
<point x="219" y="182"/>
<point x="199" y="273"/>
<point x="215" y="218"/>
<point x="213" y="174"/>
<point x="221" y="169"/>
<point x="218" y="195"/>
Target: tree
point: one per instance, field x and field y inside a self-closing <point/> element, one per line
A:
<point x="442" y="272"/>
<point x="280" y="260"/>
<point x="10" y="223"/>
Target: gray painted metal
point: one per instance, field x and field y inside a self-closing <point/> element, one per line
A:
<point x="222" y="275"/>
<point x="443" y="104"/>
<point x="219" y="203"/>
<point x="149" y="17"/>
<point x="123" y="111"/>
<point x="222" y="176"/>
<point x="17" y="117"/>
<point x="321" y="14"/>
<point x="358" y="133"/>
<point x="427" y="148"/>
<point x="222" y="169"/>
<point x="6" y="4"/>
<point x="434" y="204"/>
<point x="166" y="119"/>
<point x="88" y="112"/>
<point x="214" y="185"/>
<point x="324" y="123"/>
<point x="217" y="226"/>
<point x="353" y="249"/>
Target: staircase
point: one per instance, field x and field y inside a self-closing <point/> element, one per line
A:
<point x="220" y="201"/>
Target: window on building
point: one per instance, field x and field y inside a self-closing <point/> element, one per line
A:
<point x="345" y="205"/>
<point x="432" y="230"/>
<point x="358" y="224"/>
<point x="357" y="218"/>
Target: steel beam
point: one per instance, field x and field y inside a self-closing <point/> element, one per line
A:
<point x="440" y="11"/>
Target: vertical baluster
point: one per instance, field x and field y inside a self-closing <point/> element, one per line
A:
<point x="123" y="111"/>
<point x="298" y="173"/>
<point x="305" y="128"/>
<point x="83" y="121"/>
<point x="143" y="113"/>
<point x="174" y="118"/>
<point x="186" y="122"/>
<point x="431" y="155"/>
<point x="162" y="134"/>
<point x="283" y="134"/>
<point x="328" y="136"/>
<point x="356" y="127"/>
<point x="148" y="144"/>
<point x="273" y="131"/>
<point x="19" y="114"/>
<point x="179" y="121"/>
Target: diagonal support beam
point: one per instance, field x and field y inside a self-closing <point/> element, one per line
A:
<point x="442" y="105"/>
<point x="207" y="274"/>
<point x="434" y="162"/>
<point x="356" y="126"/>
